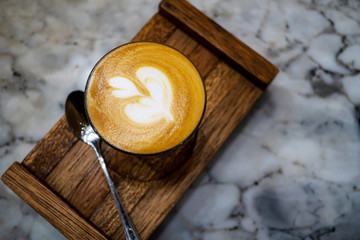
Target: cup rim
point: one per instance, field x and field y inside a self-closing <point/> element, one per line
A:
<point x="135" y="153"/>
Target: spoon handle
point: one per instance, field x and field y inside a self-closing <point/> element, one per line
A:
<point x="129" y="230"/>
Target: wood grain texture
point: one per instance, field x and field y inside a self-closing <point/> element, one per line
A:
<point x="61" y="177"/>
<point x="157" y="29"/>
<point x="223" y="43"/>
<point x="48" y="204"/>
<point x="203" y="60"/>
<point x="182" y="42"/>
<point x="48" y="153"/>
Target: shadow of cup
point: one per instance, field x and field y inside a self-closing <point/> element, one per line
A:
<point x="149" y="167"/>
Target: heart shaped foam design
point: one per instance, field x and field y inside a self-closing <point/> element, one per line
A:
<point x="149" y="108"/>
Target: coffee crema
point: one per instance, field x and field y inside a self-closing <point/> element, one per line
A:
<point x="144" y="97"/>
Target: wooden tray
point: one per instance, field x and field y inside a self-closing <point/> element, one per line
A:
<point x="61" y="178"/>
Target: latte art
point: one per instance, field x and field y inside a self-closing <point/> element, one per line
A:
<point x="149" y="108"/>
<point x="144" y="98"/>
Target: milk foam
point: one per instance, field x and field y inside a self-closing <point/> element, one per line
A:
<point x="149" y="108"/>
<point x="145" y="98"/>
<point x="126" y="88"/>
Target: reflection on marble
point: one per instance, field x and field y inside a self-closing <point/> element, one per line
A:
<point x="289" y="171"/>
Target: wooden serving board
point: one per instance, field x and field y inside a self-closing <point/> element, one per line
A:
<point x="61" y="178"/>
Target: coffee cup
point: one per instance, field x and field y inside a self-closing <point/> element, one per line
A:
<point x="146" y="100"/>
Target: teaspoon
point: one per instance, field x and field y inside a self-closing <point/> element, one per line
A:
<point x="76" y="117"/>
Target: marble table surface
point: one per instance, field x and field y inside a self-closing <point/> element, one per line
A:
<point x="291" y="170"/>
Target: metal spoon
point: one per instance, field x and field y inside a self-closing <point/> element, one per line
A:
<point x="76" y="117"/>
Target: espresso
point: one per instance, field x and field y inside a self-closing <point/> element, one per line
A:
<point x="144" y="98"/>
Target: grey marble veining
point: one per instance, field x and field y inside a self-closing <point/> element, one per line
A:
<point x="291" y="170"/>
